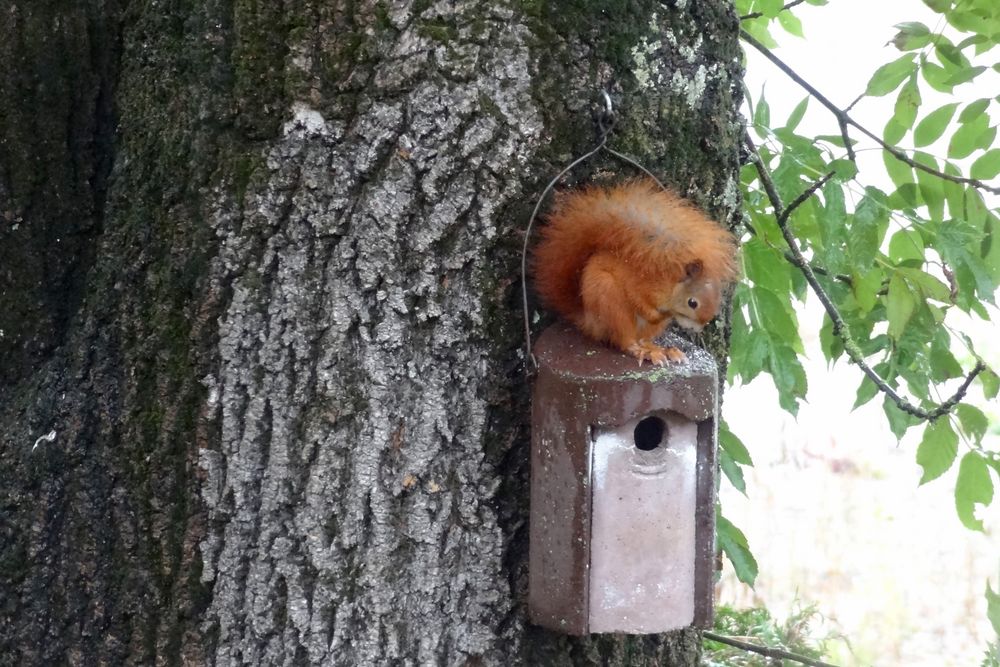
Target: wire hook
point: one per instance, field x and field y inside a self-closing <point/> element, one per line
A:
<point x="605" y="123"/>
<point x="606" y="120"/>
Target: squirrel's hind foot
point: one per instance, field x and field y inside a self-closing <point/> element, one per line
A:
<point x="656" y="354"/>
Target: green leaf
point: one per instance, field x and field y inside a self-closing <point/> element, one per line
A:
<point x="976" y="40"/>
<point x="733" y="472"/>
<point x="777" y="318"/>
<point x="733" y="543"/>
<point x="888" y="77"/>
<point x="791" y="23"/>
<point x="835" y="139"/>
<point x="938" y="449"/>
<point x="931" y="189"/>
<point x="915" y="28"/>
<point x="973" y="487"/>
<point x="914" y="35"/>
<point x="905" y="196"/>
<point x="900" y="172"/>
<point x="964" y="75"/>
<point x="797" y="113"/>
<point x="906" y="244"/>
<point x="865" y="287"/>
<point x="789" y="377"/>
<point x="971" y="16"/>
<point x="733" y="446"/>
<point x="830" y="343"/>
<point x="948" y="54"/>
<point x="960" y="244"/>
<point x="844" y="169"/>
<point x="944" y="366"/>
<point x="973" y="109"/>
<point x="867" y="389"/>
<point x="899" y="421"/>
<point x="866" y="392"/>
<point x="993" y="608"/>
<point x="929" y="286"/>
<point x="990" y="382"/>
<point x="758" y="30"/>
<point x="770" y="8"/>
<point x="936" y="76"/>
<point x="954" y="193"/>
<point x="766" y="267"/>
<point x="940" y="6"/>
<point x="748" y="350"/>
<point x="974" y="422"/>
<point x="913" y="343"/>
<point x="900" y="304"/>
<point x="893" y="132"/>
<point x="762" y="114"/>
<point x="907" y="103"/>
<point x="933" y="125"/>
<point x="832" y="230"/>
<point x="972" y="135"/>
<point x="958" y="236"/>
<point x="990" y="247"/>
<point x="757" y="353"/>
<point x="867" y="224"/>
<point x="983" y="46"/>
<point x="987" y="165"/>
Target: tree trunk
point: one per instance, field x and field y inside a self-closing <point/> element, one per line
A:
<point x="259" y="268"/>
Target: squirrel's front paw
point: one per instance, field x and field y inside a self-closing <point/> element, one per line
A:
<point x="644" y="349"/>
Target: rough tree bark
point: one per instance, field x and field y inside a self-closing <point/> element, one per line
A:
<point x="258" y="265"/>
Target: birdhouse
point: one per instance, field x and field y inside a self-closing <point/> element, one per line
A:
<point x="623" y="460"/>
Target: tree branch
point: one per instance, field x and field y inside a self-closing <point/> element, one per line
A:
<point x="802" y="198"/>
<point x="844" y="120"/>
<point x="765" y="650"/>
<point x="840" y="328"/>
<point x="847" y="280"/>
<point x="757" y="15"/>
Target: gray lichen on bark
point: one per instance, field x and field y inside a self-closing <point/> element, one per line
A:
<point x="350" y="495"/>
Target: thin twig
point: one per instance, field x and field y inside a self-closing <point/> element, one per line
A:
<point x="847" y="280"/>
<point x="840" y="328"/>
<point x="757" y="15"/>
<point x="844" y="120"/>
<point x="856" y="100"/>
<point x="802" y="198"/>
<point x="765" y="650"/>
<point x="846" y="136"/>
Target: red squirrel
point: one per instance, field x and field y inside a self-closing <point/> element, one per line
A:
<point x="621" y="262"/>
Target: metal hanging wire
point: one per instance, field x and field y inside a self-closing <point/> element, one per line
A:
<point x="605" y="123"/>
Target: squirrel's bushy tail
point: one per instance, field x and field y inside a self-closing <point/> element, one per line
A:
<point x="568" y="239"/>
<point x="656" y="232"/>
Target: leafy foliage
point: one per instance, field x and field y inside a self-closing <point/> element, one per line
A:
<point x="900" y="253"/>
<point x="992" y="657"/>
<point x="733" y="543"/>
<point x="795" y="635"/>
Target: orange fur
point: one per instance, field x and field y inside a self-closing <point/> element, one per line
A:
<point x="621" y="262"/>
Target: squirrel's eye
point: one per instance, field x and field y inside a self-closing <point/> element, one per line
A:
<point x="693" y="304"/>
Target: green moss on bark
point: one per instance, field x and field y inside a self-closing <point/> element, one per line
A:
<point x="55" y="122"/>
<point x="261" y="31"/>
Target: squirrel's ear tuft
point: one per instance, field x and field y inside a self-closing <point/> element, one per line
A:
<point x="693" y="269"/>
